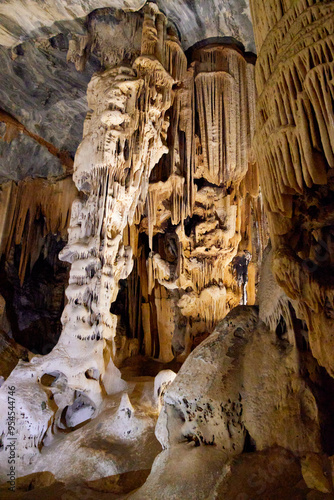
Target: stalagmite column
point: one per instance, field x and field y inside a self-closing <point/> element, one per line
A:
<point x="295" y="152"/>
<point x="123" y="141"/>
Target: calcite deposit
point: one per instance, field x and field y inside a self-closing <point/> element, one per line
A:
<point x="181" y="346"/>
<point x="294" y="144"/>
<point x="197" y="218"/>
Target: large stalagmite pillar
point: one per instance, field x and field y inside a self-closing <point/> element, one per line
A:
<point x="295" y="152"/>
<point x="123" y="140"/>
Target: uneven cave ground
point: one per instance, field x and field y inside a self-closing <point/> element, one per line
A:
<point x="166" y="241"/>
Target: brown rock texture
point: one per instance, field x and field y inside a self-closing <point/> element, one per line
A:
<point x="294" y="146"/>
<point x="204" y="215"/>
<point x="35" y="215"/>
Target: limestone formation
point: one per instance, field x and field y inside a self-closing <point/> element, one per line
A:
<point x="196" y="266"/>
<point x="207" y="212"/>
<point x="231" y="401"/>
<point x="123" y="140"/>
<point x="22" y="206"/>
<point x="35" y="214"/>
<point x="172" y="351"/>
<point x="294" y="145"/>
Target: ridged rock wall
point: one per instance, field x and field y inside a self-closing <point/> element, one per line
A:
<point x="25" y="203"/>
<point x="294" y="144"/>
<point x="35" y="214"/>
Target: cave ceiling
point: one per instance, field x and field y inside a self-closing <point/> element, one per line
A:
<point x="41" y="87"/>
<point x="195" y="19"/>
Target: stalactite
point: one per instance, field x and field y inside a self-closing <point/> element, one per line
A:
<point x="32" y="209"/>
<point x="166" y="312"/>
<point x="187" y="126"/>
<point x="294" y="144"/>
<point x="213" y="93"/>
<point x="8" y="193"/>
<point x="223" y="94"/>
<point x="161" y="271"/>
<point x="295" y="110"/>
<point x="175" y="59"/>
<point x="150" y="34"/>
<point x="77" y="51"/>
<point x="151" y="217"/>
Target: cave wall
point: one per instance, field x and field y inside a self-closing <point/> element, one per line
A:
<point x="35" y="215"/>
<point x="294" y="146"/>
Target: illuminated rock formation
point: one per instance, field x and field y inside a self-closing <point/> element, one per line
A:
<point x="168" y="188"/>
<point x="123" y="140"/>
<point x="35" y="215"/>
<point x="30" y="201"/>
<point x="226" y="402"/>
<point x="192" y="244"/>
<point x="294" y="144"/>
<point x="203" y="208"/>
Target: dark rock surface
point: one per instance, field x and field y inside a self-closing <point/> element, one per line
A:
<point x="34" y="308"/>
<point x="195" y="19"/>
<point x="45" y="92"/>
<point x="48" y="96"/>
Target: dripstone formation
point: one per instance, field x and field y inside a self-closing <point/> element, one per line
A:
<point x="184" y="339"/>
<point x="295" y="149"/>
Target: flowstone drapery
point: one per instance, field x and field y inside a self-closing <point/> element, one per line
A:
<point x="204" y="210"/>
